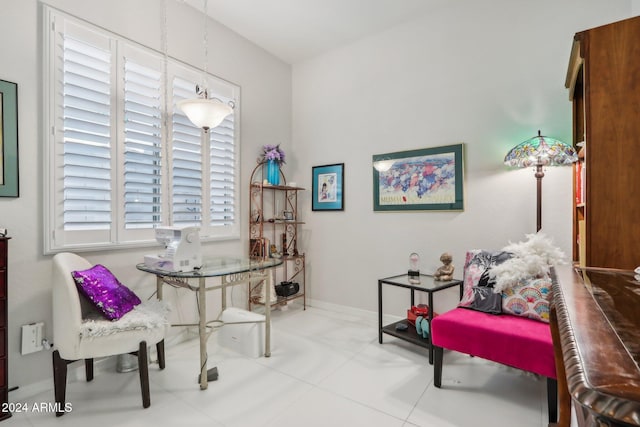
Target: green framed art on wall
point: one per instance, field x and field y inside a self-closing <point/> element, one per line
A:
<point x="8" y="139"/>
<point x="423" y="179"/>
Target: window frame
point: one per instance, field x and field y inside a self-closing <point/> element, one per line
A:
<point x="56" y="238"/>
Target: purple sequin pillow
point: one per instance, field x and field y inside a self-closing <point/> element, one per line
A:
<point x="102" y="288"/>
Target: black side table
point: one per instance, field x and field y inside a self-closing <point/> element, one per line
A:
<point x="427" y="284"/>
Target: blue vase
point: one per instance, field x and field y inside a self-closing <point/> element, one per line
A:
<point x="273" y="172"/>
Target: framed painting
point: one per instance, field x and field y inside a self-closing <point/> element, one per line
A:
<point x="328" y="188"/>
<point x="424" y="179"/>
<point x="8" y="139"/>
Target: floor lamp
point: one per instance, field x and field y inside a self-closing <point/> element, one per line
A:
<point x="540" y="151"/>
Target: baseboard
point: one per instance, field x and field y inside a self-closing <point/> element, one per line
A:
<point x="345" y="309"/>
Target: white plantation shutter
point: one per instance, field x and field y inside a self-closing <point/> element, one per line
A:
<point x="204" y="189"/>
<point x="186" y="191"/>
<point x="222" y="173"/>
<point x="86" y="135"/>
<point x="143" y="146"/>
<point x="121" y="159"/>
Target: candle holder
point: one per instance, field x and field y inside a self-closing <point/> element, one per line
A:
<point x="414" y="270"/>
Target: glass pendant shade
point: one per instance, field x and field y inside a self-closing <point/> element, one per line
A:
<point x="383" y="165"/>
<point x="541" y="150"/>
<point x="205" y="113"/>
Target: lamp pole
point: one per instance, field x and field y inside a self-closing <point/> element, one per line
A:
<point x="539" y="175"/>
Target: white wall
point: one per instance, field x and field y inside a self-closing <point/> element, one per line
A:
<point x="265" y="118"/>
<point x="488" y="74"/>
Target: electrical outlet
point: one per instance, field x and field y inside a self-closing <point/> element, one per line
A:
<point x="32" y="338"/>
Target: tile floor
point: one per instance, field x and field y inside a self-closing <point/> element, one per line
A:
<point x="326" y="369"/>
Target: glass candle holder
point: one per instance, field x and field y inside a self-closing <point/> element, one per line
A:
<point x="414" y="268"/>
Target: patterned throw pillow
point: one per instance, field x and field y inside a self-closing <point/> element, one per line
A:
<point x="470" y="277"/>
<point x="529" y="298"/>
<point x="107" y="294"/>
<point x="477" y="285"/>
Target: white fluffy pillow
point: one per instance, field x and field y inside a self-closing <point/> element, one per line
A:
<point x="532" y="258"/>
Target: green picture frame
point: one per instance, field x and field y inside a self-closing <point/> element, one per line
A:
<point x="9" y="180"/>
<point x="423" y="179"/>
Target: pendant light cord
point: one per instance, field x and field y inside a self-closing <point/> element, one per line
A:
<point x="206" y="48"/>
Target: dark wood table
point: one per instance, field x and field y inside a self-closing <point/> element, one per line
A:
<point x="595" y="321"/>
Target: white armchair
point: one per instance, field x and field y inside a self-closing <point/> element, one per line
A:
<point x="79" y="334"/>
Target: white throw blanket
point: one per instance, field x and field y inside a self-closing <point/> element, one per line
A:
<point x="148" y="315"/>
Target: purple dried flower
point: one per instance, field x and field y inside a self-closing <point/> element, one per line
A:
<point x="273" y="152"/>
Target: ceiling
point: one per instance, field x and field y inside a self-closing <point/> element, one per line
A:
<point x="296" y="30"/>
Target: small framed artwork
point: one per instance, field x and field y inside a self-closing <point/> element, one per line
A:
<point x="8" y="139"/>
<point x="424" y="179"/>
<point x="328" y="188"/>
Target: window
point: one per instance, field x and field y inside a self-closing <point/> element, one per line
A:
<point x="120" y="157"/>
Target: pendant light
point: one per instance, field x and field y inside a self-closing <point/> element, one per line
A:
<point x="205" y="112"/>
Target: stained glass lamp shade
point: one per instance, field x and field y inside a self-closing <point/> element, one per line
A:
<point x="540" y="151"/>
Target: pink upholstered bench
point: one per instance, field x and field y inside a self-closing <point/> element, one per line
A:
<point x="510" y="340"/>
